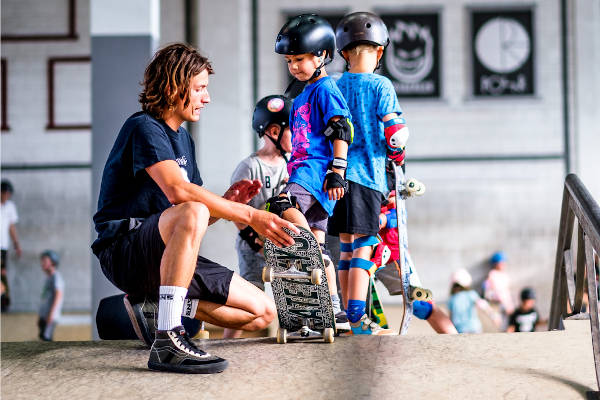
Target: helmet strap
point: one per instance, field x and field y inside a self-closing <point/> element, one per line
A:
<point x="278" y="145"/>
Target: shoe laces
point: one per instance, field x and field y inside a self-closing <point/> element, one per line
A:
<point x="183" y="342"/>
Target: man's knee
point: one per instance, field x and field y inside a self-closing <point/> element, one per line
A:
<point x="192" y="216"/>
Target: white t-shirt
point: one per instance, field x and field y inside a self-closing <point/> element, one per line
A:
<point x="8" y="216"/>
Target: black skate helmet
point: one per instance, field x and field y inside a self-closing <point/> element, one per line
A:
<point x="307" y="33"/>
<point x="269" y="110"/>
<point x="361" y="27"/>
<point x="274" y="109"/>
<point x="52" y="255"/>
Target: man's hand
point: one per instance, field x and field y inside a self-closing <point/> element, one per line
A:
<point x="270" y="226"/>
<point x="243" y="191"/>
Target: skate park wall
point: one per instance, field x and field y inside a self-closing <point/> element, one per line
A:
<point x="489" y="183"/>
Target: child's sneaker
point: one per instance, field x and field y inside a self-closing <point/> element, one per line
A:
<point x="341" y="322"/>
<point x="144" y="318"/>
<point x="174" y="351"/>
<point x="365" y="326"/>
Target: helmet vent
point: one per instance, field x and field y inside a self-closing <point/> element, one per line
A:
<point x="368" y="24"/>
<point x="312" y="20"/>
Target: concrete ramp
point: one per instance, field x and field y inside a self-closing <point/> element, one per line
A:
<point x="543" y="365"/>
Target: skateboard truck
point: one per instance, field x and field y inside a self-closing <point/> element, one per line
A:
<point x="305" y="333"/>
<point x="315" y="276"/>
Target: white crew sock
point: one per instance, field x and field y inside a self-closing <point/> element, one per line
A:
<point x="170" y="306"/>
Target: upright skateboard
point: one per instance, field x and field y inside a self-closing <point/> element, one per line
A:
<point x="411" y="285"/>
<point x="375" y="310"/>
<point x="299" y="283"/>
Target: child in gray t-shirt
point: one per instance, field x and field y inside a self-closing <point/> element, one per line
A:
<point x="268" y="165"/>
<point x="52" y="295"/>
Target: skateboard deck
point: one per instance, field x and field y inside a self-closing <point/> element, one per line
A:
<point x="405" y="266"/>
<point x="300" y="288"/>
<point x="374" y="306"/>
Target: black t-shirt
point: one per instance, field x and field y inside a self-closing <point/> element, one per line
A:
<point x="524" y="321"/>
<point x="127" y="192"/>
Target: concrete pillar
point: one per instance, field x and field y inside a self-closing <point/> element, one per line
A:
<point x="124" y="34"/>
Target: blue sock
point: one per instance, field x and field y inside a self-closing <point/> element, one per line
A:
<point x="356" y="309"/>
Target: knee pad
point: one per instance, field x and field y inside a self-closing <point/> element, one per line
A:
<point x="362" y="264"/>
<point x="346" y="247"/>
<point x="344" y="265"/>
<point x="278" y="204"/>
<point x="364" y="241"/>
<point x="422" y="309"/>
<point x="356" y="309"/>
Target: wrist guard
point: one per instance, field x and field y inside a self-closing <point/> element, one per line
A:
<point x="341" y="129"/>
<point x="396" y="133"/>
<point x="249" y="235"/>
<point x="334" y="180"/>
<point x="278" y="204"/>
<point x="339" y="163"/>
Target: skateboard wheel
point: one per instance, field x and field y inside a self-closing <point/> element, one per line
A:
<point x="328" y="335"/>
<point x="415" y="188"/>
<point x="420" y="294"/>
<point x="316" y="276"/>
<point x="281" y="336"/>
<point x="267" y="274"/>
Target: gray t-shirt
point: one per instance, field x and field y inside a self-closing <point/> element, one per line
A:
<point x="53" y="282"/>
<point x="273" y="178"/>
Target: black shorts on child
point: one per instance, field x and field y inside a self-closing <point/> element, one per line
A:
<point x="357" y="212"/>
<point x="132" y="263"/>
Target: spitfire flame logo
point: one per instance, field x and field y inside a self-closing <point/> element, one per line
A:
<point x="410" y="54"/>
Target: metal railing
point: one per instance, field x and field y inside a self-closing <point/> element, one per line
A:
<point x="571" y="279"/>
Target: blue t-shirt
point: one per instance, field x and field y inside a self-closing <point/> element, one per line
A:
<point x="311" y="150"/>
<point x="463" y="311"/>
<point x="127" y="191"/>
<point x="370" y="97"/>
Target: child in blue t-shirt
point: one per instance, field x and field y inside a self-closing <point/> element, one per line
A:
<point x="321" y="133"/>
<point x="380" y="133"/>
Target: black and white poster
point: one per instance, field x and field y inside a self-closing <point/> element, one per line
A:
<point x="502" y="51"/>
<point x="412" y="59"/>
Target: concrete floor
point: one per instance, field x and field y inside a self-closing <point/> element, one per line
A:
<point x="541" y="365"/>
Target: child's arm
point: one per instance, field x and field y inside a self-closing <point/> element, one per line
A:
<point x="337" y="186"/>
<point x="485" y="307"/>
<point x="58" y="294"/>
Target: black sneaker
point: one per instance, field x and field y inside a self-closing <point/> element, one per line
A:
<point x="174" y="351"/>
<point x="144" y="318"/>
<point x="341" y="322"/>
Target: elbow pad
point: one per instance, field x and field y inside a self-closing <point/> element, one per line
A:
<point x="396" y="133"/>
<point x="341" y="129"/>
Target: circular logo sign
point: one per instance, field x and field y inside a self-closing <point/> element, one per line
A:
<point x="502" y="45"/>
<point x="275" y="104"/>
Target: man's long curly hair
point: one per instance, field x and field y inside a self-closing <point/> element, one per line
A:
<point x="168" y="76"/>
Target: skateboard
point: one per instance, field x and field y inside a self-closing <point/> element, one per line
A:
<point x="411" y="285"/>
<point x="299" y="283"/>
<point x="375" y="310"/>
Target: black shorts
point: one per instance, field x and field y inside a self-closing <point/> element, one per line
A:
<point x="132" y="263"/>
<point x="357" y="212"/>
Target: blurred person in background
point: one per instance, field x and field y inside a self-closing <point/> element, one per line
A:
<point x="52" y="295"/>
<point x="526" y="317"/>
<point x="8" y="218"/>
<point x="496" y="287"/>
<point x="464" y="302"/>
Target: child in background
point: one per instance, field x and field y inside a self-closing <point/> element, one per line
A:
<point x="270" y="121"/>
<point x="526" y="317"/>
<point x="389" y="275"/>
<point x="52" y="295"/>
<point x="464" y="302"/>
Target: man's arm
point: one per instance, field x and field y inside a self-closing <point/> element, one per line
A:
<point x="167" y="176"/>
<point x="15" y="238"/>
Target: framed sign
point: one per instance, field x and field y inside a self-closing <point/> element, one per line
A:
<point x="502" y="48"/>
<point x="412" y="59"/>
